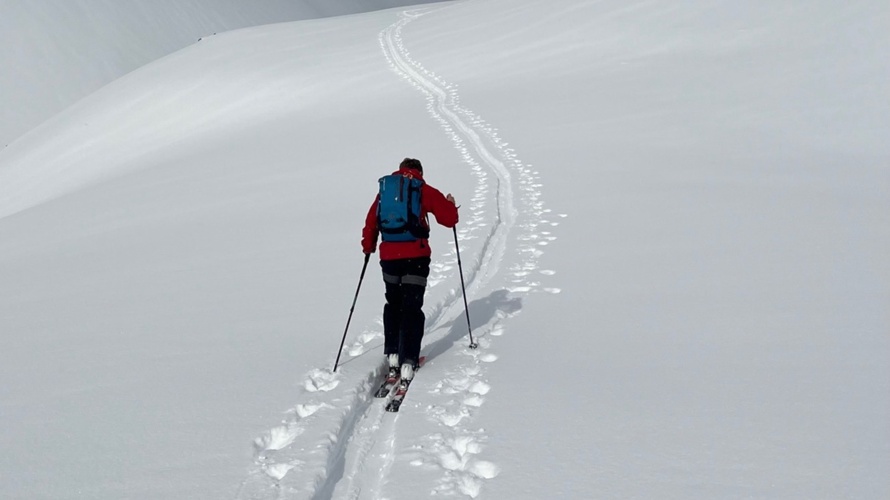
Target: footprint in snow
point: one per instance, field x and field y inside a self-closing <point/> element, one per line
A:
<point x="484" y="469"/>
<point x="308" y="409"/>
<point x="369" y="336"/>
<point x="469" y="485"/>
<point x="450" y="419"/>
<point x="466" y="473"/>
<point x="455" y="454"/>
<point x="356" y="350"/>
<point x="465" y="444"/>
<point x="475" y="401"/>
<point x="278" y="438"/>
<point x="278" y="471"/>
<point x="480" y="388"/>
<point x="472" y="370"/>
<point x="321" y="381"/>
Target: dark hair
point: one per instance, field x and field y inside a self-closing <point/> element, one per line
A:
<point x="411" y="163"/>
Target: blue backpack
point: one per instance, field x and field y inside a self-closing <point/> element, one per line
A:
<point x="398" y="211"/>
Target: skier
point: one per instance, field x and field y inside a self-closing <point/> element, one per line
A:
<point x="405" y="262"/>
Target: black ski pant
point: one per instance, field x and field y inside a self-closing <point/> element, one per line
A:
<point x="403" y="318"/>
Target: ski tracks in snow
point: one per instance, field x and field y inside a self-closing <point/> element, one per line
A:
<point x="341" y="443"/>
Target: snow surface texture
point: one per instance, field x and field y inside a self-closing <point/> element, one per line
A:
<point x="359" y="453"/>
<point x="54" y="52"/>
<point x="708" y="278"/>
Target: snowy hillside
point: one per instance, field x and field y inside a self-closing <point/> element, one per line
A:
<point x="674" y="230"/>
<point x="53" y="52"/>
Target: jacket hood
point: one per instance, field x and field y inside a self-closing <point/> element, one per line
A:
<point x="410" y="172"/>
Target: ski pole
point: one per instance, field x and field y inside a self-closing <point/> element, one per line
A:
<point x="351" y="309"/>
<point x="463" y="288"/>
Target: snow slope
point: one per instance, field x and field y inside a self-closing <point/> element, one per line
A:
<point x="54" y="52"/>
<point x="674" y="233"/>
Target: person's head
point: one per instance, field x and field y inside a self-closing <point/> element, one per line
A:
<point x="411" y="163"/>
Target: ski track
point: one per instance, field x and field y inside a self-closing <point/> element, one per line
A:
<point x="341" y="443"/>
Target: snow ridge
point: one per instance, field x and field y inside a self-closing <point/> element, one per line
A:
<point x="340" y="444"/>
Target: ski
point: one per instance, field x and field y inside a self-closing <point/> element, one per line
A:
<point x="399" y="396"/>
<point x="391" y="380"/>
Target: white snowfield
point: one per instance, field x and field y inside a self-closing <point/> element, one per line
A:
<point x="674" y="234"/>
<point x="54" y="52"/>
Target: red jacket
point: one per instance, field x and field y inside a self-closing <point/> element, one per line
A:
<point x="431" y="201"/>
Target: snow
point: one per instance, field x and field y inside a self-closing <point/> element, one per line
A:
<point x="87" y="44"/>
<point x="674" y="230"/>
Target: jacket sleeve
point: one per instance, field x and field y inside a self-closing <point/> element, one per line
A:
<point x="444" y="210"/>
<point x="370" y="231"/>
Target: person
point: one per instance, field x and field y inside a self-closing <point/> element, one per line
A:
<point x="406" y="267"/>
